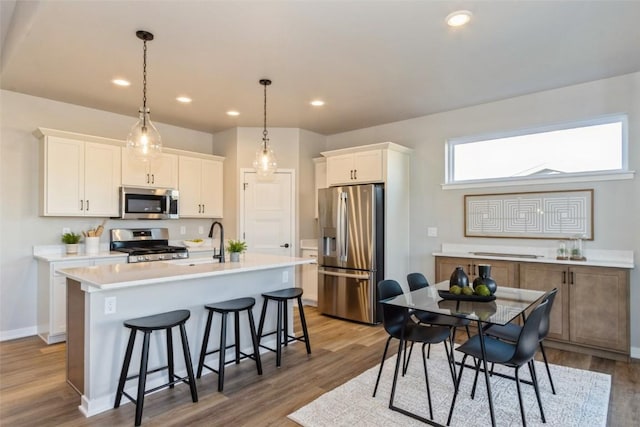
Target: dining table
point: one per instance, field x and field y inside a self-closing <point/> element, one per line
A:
<point x="504" y="306"/>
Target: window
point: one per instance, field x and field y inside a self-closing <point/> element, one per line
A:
<point x="588" y="147"/>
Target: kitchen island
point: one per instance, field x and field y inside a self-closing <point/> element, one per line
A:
<point x="100" y="298"/>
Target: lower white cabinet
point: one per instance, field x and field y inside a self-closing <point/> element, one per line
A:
<point x="52" y="295"/>
<point x="310" y="278"/>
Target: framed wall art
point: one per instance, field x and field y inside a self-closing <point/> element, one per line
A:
<point x="530" y="215"/>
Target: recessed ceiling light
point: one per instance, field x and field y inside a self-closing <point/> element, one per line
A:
<point x="121" y="82"/>
<point x="183" y="99"/>
<point x="233" y="113"/>
<point x="458" y="18"/>
<point x="317" y="103"/>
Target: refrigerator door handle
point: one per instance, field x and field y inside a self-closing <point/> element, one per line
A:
<point x="342" y="227"/>
<point x="365" y="276"/>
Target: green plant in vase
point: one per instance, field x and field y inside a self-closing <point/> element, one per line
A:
<point x="235" y="248"/>
<point x="71" y="241"/>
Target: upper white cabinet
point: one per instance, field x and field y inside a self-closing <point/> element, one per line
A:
<point x="355" y="167"/>
<point x="161" y="171"/>
<point x="80" y="177"/>
<point x="201" y="186"/>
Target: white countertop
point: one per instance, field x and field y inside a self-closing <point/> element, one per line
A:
<point x="126" y="275"/>
<point x="595" y="257"/>
<point x="57" y="253"/>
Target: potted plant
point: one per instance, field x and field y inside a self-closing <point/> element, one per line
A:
<point x="71" y="241"/>
<point x="235" y="248"/>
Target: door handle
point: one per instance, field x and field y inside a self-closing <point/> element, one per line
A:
<point x="153" y="178"/>
<point x="203" y="208"/>
<point x="346" y="275"/>
<point x="148" y="179"/>
<point x="81" y="204"/>
<point x="355" y="174"/>
<point x="351" y="174"/>
<point x="87" y="205"/>
<point x="286" y="245"/>
<point x="199" y="208"/>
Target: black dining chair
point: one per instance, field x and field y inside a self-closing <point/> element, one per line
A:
<point x="511" y="331"/>
<point x="398" y="326"/>
<point x="419" y="281"/>
<point x="514" y="355"/>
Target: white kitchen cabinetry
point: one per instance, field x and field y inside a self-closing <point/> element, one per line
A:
<point x="160" y="172"/>
<point x="200" y="184"/>
<point x="386" y="163"/>
<point x="355" y="167"/>
<point x="310" y="278"/>
<point x="52" y="295"/>
<point x="320" y="176"/>
<point x="80" y="177"/>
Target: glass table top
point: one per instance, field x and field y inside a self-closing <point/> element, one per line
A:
<point x="508" y="305"/>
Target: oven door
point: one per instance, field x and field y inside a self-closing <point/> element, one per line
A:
<point x="148" y="203"/>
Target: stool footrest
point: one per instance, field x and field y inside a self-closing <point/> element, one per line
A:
<point x="290" y="338"/>
<point x="242" y="357"/>
<point x="160" y="387"/>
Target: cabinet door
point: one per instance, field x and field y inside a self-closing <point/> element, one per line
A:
<point x="544" y="277"/>
<point x="64" y="177"/>
<point x="58" y="296"/>
<point x="163" y="171"/>
<point x="367" y="166"/>
<point x="134" y="171"/>
<point x="340" y="169"/>
<point x="446" y="265"/>
<point x="189" y="185"/>
<point x="600" y="307"/>
<point x="211" y="189"/>
<point x="101" y="179"/>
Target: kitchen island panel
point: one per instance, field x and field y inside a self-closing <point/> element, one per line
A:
<point x="105" y="337"/>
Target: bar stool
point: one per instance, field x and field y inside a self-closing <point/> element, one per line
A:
<point x="234" y="306"/>
<point x="147" y="325"/>
<point x="282" y="325"/>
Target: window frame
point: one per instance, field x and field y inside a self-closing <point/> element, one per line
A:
<point x="622" y="173"/>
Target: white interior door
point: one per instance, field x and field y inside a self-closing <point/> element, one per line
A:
<point x="267" y="213"/>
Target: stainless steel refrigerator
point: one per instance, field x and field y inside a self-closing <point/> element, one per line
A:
<point x="351" y="251"/>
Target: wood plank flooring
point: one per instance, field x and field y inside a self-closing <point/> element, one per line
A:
<point x="33" y="391"/>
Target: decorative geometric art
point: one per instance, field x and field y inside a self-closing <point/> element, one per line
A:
<point x="532" y="215"/>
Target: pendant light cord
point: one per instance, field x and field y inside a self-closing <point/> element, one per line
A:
<point x="264" y="132"/>
<point x="144" y="84"/>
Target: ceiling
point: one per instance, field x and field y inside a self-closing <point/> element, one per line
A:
<point x="372" y="62"/>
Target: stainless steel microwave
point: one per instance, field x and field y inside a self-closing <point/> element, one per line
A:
<point x="148" y="203"/>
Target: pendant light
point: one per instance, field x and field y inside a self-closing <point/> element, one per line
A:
<point x="144" y="140"/>
<point x="265" y="163"/>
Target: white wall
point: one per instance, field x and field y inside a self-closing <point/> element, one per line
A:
<point x="20" y="225"/>
<point x="311" y="145"/>
<point x="616" y="204"/>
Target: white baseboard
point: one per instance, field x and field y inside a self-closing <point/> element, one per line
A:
<point x="635" y="352"/>
<point x="18" y="333"/>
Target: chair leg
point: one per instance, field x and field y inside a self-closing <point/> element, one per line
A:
<point x="170" y="357"/>
<point x="475" y="379"/>
<point x="279" y="335"/>
<point x="384" y="355"/>
<point x="125" y="368"/>
<point x="142" y="379"/>
<point x="534" y="379"/>
<point x="406" y="357"/>
<point x="456" y="389"/>
<point x="262" y="316"/>
<point x="303" y="322"/>
<point x="450" y="358"/>
<point x="426" y="378"/>
<point x="546" y="364"/>
<point x="236" y="318"/>
<point x="254" y="340"/>
<point x="187" y="362"/>
<point x="205" y="343"/>
<point x="223" y="351"/>
<point x="468" y="333"/>
<point x="524" y="421"/>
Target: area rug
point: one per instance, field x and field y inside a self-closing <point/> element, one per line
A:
<point x="582" y="398"/>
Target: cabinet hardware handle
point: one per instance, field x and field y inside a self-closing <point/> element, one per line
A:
<point x="153" y="178"/>
<point x="564" y="277"/>
<point x="474" y="269"/>
<point x="147" y="178"/>
<point x="199" y="208"/>
<point x="571" y="277"/>
<point x="468" y="268"/>
<point x="81" y="205"/>
<point x="351" y="174"/>
<point x="87" y="205"/>
<point x="203" y="208"/>
<point x="355" y="174"/>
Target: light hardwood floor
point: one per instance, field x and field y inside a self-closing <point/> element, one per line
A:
<point x="33" y="391"/>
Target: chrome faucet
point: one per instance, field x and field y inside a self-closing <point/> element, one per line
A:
<point x="220" y="255"/>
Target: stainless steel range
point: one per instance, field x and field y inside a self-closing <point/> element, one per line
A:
<point x="146" y="244"/>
